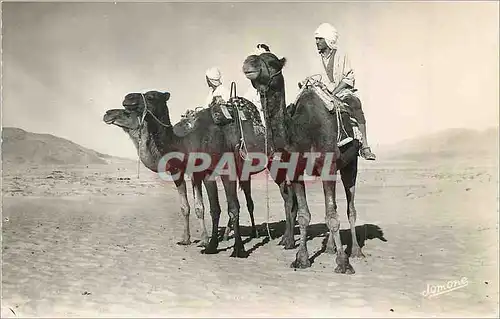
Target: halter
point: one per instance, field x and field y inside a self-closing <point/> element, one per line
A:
<point x="271" y="77"/>
<point x="262" y="93"/>
<point x="141" y="124"/>
<point x="146" y="110"/>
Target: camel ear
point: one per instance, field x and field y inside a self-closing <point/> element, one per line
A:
<point x="282" y="62"/>
<point x="167" y="96"/>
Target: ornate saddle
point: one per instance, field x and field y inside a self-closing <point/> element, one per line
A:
<point x="224" y="113"/>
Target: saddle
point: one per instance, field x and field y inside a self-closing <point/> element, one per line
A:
<point x="188" y="123"/>
<point x="224" y="113"/>
<point x="339" y="109"/>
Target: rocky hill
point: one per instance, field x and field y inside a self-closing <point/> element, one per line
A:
<point x="22" y="147"/>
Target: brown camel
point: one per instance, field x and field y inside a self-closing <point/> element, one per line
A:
<point x="154" y="138"/>
<point x="307" y="126"/>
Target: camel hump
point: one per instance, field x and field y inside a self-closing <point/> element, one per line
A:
<point x="189" y="122"/>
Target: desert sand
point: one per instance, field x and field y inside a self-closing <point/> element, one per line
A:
<point x="95" y="240"/>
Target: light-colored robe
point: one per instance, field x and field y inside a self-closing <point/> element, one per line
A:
<point x="219" y="91"/>
<point x="337" y="68"/>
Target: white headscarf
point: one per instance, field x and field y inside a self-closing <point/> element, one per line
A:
<point x="329" y="33"/>
<point x="214" y="76"/>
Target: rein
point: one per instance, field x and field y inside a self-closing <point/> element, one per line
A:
<point x="243" y="152"/>
<point x="262" y="93"/>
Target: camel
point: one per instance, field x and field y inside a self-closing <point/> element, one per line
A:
<point x="307" y="126"/>
<point x="152" y="136"/>
<point x="146" y="120"/>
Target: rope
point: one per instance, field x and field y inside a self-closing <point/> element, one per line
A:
<point x="267" y="170"/>
<point x="246" y="157"/>
<point x="141" y="122"/>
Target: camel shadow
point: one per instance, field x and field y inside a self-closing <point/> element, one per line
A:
<point x="277" y="229"/>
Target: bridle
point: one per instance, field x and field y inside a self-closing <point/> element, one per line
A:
<point x="262" y="93"/>
<point x="146" y="111"/>
<point x="141" y="124"/>
<point x="271" y="77"/>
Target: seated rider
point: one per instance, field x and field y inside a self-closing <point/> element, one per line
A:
<point x="216" y="89"/>
<point x="338" y="79"/>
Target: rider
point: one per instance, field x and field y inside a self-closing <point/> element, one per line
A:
<point x="338" y="78"/>
<point x="216" y="89"/>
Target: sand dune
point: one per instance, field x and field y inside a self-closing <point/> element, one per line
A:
<point x="96" y="241"/>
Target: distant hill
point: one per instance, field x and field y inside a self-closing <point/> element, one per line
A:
<point x="22" y="147"/>
<point x="450" y="143"/>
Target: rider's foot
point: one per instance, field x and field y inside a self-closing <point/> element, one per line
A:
<point x="367" y="154"/>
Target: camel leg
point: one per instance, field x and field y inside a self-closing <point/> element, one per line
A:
<point x="333" y="222"/>
<point x="233" y="208"/>
<point x="304" y="217"/>
<point x="185" y="211"/>
<point x="348" y="175"/>
<point x="213" y="199"/>
<point x="348" y="166"/>
<point x="199" y="209"/>
<point x="247" y="189"/>
<point x="290" y="200"/>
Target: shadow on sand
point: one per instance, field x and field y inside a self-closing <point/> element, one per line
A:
<point x="277" y="229"/>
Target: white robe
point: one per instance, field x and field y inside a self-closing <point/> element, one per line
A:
<point x="219" y="91"/>
<point x="342" y="72"/>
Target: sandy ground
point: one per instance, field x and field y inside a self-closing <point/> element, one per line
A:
<point x="97" y="241"/>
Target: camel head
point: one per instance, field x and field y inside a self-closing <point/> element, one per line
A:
<point x="126" y="119"/>
<point x="155" y="101"/>
<point x="264" y="71"/>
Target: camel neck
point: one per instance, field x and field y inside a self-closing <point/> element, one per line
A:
<point x="154" y="141"/>
<point x="276" y="119"/>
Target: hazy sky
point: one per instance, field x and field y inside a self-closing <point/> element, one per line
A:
<point x="420" y="67"/>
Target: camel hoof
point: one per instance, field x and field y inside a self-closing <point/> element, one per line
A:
<point x="345" y="269"/>
<point x="357" y="253"/>
<point x="185" y="242"/>
<point x="298" y="264"/>
<point x="288" y="242"/>
<point x="239" y="253"/>
<point x="343" y="265"/>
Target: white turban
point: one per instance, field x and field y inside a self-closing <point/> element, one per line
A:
<point x="214" y="76"/>
<point x="329" y="33"/>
